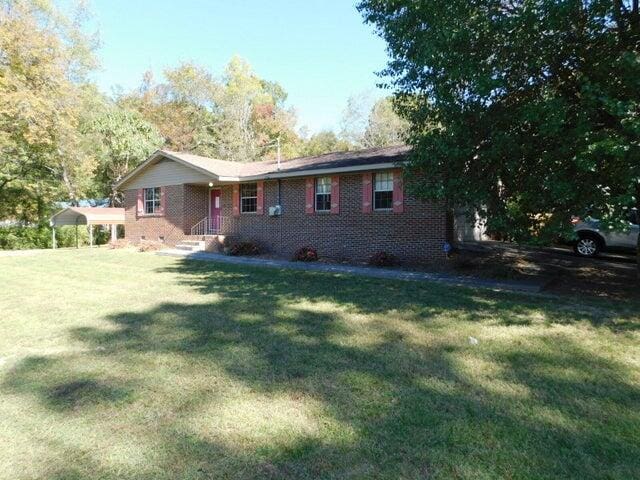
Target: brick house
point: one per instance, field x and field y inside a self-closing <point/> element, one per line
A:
<point x="347" y="205"/>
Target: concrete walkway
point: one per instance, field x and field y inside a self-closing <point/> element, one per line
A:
<point x="374" y="272"/>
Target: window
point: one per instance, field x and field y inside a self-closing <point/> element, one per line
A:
<point x="151" y="200"/>
<point x="383" y="191"/>
<point x="323" y="194"/>
<point x="249" y="197"/>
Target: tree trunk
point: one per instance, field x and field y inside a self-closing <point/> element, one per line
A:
<point x="70" y="188"/>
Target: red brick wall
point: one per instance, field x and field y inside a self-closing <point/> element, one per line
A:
<point x="185" y="206"/>
<point x="196" y="205"/>
<point x="416" y="235"/>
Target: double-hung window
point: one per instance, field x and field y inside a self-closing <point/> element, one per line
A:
<point x="151" y="200"/>
<point x="323" y="194"/>
<point x="383" y="191"/>
<point x="249" y="197"/>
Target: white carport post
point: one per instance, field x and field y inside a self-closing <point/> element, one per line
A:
<point x="53" y="235"/>
<point x="91" y="235"/>
<point x="114" y="232"/>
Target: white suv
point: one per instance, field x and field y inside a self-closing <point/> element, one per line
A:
<point x="592" y="239"/>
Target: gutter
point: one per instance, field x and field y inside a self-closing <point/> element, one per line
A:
<point x="305" y="173"/>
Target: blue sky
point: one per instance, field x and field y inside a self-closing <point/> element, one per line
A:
<point x="318" y="50"/>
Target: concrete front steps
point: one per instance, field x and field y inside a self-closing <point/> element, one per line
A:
<point x="191" y="246"/>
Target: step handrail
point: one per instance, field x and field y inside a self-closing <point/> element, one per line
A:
<point x="207" y="227"/>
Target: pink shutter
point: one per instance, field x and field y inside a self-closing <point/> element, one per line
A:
<point x="335" y="194"/>
<point x="140" y="203"/>
<point x="260" y="199"/>
<point x="367" y="192"/>
<point x="310" y="193"/>
<point x="398" y="192"/>
<point x="163" y="201"/>
<point x="236" y="200"/>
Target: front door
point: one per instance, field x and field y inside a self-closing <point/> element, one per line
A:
<point x="214" y="211"/>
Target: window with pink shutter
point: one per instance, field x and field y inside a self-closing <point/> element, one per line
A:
<point x="236" y="200"/>
<point x="140" y="202"/>
<point x="335" y="194"/>
<point x="309" y="194"/>
<point x="260" y="199"/>
<point x="398" y="192"/>
<point x="367" y="191"/>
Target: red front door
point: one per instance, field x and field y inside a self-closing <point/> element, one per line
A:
<point x="214" y="211"/>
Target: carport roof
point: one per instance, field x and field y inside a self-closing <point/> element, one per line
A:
<point x="88" y="216"/>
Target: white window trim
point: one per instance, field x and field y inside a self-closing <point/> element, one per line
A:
<point x="315" y="206"/>
<point x="375" y="190"/>
<point x="242" y="198"/>
<point x="156" y="199"/>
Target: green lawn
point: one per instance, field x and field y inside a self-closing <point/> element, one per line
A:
<point x="123" y="365"/>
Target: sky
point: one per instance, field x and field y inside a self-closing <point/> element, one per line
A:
<point x="320" y="51"/>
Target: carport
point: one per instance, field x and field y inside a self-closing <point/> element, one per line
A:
<point x="87" y="216"/>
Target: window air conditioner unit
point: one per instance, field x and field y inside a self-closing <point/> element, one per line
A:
<point x="275" y="211"/>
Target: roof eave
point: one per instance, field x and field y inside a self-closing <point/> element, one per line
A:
<point x="312" y="172"/>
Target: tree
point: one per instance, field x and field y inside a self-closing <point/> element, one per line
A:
<point x="180" y="109"/>
<point x="121" y="139"/>
<point x="44" y="58"/>
<point x="385" y="127"/>
<point x="324" y="142"/>
<point x="235" y="117"/>
<point x="367" y="124"/>
<point x="527" y="110"/>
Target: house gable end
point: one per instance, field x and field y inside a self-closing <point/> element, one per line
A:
<point x="161" y="172"/>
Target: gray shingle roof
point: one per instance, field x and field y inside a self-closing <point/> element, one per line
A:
<point x="327" y="161"/>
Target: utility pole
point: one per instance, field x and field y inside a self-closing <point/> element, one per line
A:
<point x="278" y="143"/>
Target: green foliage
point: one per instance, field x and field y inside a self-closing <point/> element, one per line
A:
<point x="237" y="117"/>
<point x="526" y="110"/>
<point x="122" y="139"/>
<point x="44" y="57"/>
<point x="368" y="124"/>
<point x="23" y="238"/>
<point x="30" y="237"/>
<point x="385" y="127"/>
<point x="323" y="142"/>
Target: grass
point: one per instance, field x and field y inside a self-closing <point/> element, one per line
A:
<point x="124" y="365"/>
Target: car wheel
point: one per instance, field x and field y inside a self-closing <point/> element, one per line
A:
<point x="588" y="246"/>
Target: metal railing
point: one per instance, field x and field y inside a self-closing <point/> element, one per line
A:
<point x="208" y="226"/>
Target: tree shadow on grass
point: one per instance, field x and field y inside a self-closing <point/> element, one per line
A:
<point x="391" y="405"/>
<point x="56" y="383"/>
<point x="423" y="299"/>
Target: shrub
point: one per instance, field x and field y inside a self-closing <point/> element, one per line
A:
<point x="306" y="254"/>
<point x="66" y="236"/>
<point x="382" y="259"/>
<point x="24" y="238"/>
<point x="30" y="237"/>
<point x="244" y="248"/>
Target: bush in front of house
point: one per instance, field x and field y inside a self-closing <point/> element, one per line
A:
<point x="306" y="254"/>
<point x="382" y="259"/>
<point x="244" y="248"/>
